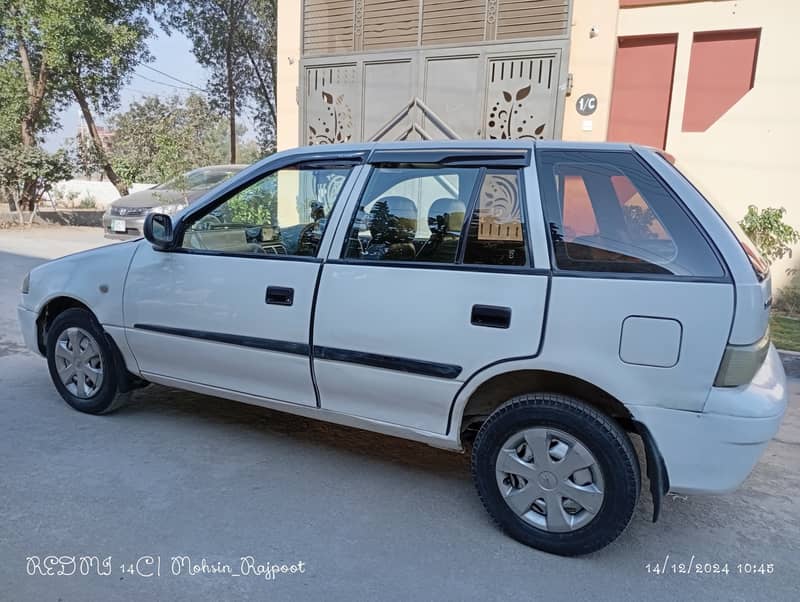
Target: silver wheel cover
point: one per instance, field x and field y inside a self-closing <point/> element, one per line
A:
<point x="79" y="363"/>
<point x="550" y="479"/>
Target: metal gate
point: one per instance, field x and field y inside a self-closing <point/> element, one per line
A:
<point x="496" y="91"/>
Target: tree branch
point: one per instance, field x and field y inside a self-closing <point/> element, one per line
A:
<point x="27" y="71"/>
<point x="264" y="89"/>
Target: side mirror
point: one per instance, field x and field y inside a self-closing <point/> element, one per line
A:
<point x="158" y="231"/>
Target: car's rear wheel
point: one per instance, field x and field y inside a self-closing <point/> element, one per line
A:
<point x="81" y="363"/>
<point x="556" y="474"/>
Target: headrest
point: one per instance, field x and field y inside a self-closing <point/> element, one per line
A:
<point x="446" y="215"/>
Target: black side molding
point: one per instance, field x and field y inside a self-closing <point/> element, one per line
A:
<point x="231" y="339"/>
<point x="388" y="362"/>
<point x="375" y="360"/>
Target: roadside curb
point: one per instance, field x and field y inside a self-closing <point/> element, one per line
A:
<point x="791" y="363"/>
<point x="63" y="217"/>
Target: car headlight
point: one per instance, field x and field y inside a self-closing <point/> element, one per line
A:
<point x="26" y="283"/>
<point x="169" y="209"/>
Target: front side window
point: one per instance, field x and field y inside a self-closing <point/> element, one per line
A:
<point x="283" y="213"/>
<point x="608" y="213"/>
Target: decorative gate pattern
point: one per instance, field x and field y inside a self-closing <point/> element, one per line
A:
<point x="328" y="93"/>
<point x="521" y="98"/>
<point x="507" y="91"/>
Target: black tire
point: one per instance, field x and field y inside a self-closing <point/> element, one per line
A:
<point x="107" y="398"/>
<point x="599" y="434"/>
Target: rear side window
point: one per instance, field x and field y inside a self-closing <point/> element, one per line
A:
<point x="497" y="227"/>
<point x="608" y="213"/>
<point x="446" y="215"/>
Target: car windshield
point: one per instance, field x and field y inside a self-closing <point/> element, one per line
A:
<point x="199" y="179"/>
<point x="760" y="265"/>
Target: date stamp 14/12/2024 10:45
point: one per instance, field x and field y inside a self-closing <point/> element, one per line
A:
<point x="695" y="566"/>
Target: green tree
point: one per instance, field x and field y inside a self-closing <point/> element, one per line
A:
<point x="96" y="45"/>
<point x="14" y="103"/>
<point x="26" y="81"/>
<point x="158" y="139"/>
<point x="80" y="49"/>
<point x="766" y="228"/>
<point x="29" y="170"/>
<point x="28" y="98"/>
<point x="236" y="41"/>
<point x="259" y="41"/>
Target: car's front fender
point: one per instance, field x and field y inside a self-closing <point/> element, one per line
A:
<point x="95" y="278"/>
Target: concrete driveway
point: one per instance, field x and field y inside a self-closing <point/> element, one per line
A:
<point x="369" y="517"/>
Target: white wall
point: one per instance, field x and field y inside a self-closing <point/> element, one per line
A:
<point x="103" y="193"/>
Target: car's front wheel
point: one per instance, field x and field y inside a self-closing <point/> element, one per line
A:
<point x="556" y="474"/>
<point x="81" y="363"/>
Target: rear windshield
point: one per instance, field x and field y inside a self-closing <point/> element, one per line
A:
<point x="760" y="265"/>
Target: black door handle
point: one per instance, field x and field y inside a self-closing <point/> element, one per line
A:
<point x="491" y="316"/>
<point x="280" y="295"/>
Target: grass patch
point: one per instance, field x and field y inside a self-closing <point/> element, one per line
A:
<point x="785" y="332"/>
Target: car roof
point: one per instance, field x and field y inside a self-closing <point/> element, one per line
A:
<point x="456" y="144"/>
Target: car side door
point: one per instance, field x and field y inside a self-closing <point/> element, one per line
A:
<point x="230" y="306"/>
<point x="429" y="279"/>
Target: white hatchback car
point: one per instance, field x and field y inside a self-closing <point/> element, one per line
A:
<point x="540" y="303"/>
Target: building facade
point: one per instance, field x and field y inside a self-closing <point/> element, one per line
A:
<point x="712" y="82"/>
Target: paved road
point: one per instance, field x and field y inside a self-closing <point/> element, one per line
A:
<point x="370" y="517"/>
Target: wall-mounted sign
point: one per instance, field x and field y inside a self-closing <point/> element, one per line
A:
<point x="586" y="104"/>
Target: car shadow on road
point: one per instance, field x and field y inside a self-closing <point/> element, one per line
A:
<point x="683" y="518"/>
<point x="440" y="463"/>
<point x="185" y="404"/>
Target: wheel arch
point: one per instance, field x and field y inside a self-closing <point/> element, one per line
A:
<point x="50" y="310"/>
<point x="498" y="388"/>
<point x="54" y="307"/>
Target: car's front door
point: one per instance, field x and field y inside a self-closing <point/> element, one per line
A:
<point x="230" y="306"/>
<point x="429" y="279"/>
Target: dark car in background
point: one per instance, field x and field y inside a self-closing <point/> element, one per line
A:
<point x="124" y="218"/>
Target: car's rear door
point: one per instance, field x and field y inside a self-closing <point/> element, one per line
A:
<point x="230" y="307"/>
<point x="429" y="279"/>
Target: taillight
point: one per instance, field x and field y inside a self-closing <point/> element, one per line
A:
<point x="760" y="265"/>
<point x="741" y="362"/>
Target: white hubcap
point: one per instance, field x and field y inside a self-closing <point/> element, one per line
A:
<point x="78" y="362"/>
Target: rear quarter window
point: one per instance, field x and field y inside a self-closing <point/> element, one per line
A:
<point x="607" y="212"/>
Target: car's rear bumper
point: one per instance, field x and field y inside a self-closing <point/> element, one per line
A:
<point x="27" y="324"/>
<point x="713" y="451"/>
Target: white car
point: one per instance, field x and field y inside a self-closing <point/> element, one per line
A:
<point x="542" y="305"/>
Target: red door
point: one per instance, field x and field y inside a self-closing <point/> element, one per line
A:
<point x="642" y="89"/>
